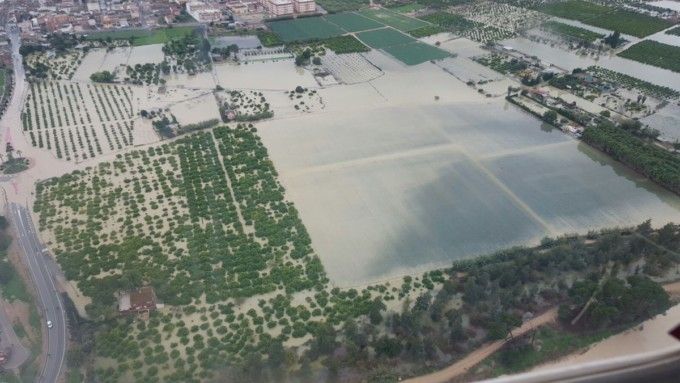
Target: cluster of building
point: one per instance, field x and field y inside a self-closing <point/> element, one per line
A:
<point x="274" y="8"/>
<point x="207" y="11"/>
<point x="36" y="17"/>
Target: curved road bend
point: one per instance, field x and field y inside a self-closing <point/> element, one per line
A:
<point x="50" y="299"/>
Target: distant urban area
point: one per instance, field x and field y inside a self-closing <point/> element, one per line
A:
<point x="337" y="190"/>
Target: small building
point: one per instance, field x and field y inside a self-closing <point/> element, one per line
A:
<point x="202" y="12"/>
<point x="305" y="6"/>
<point x="279" y="8"/>
<point x="137" y="301"/>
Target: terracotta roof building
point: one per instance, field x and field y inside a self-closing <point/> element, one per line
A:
<point x="135" y="301"/>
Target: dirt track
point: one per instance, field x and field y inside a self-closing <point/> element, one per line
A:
<point x="462" y="366"/>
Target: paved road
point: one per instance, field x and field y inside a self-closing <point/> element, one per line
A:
<point x="48" y="296"/>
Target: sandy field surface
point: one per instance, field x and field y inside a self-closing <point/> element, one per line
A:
<point x="196" y="110"/>
<point x="387" y="173"/>
<point x="279" y="75"/>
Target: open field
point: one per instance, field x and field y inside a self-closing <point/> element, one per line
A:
<point x="303" y="29"/>
<point x="144" y="37"/>
<point x="353" y="22"/>
<point x="654" y="53"/>
<point x="383" y="38"/>
<point x="611" y="18"/>
<point x="393" y="19"/>
<point x="391" y="178"/>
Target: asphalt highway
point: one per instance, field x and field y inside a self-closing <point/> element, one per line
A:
<point x="49" y="298"/>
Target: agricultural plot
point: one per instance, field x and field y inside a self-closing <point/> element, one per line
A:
<point x="426" y="31"/>
<point x="350" y="68"/>
<point x="342" y="5"/>
<point x="502" y="16"/>
<point x="54" y="67"/>
<point x="416" y="53"/>
<point x="642" y="86"/>
<point x="393" y="19"/>
<point x="654" y="53"/>
<point x="571" y="32"/>
<point x="353" y="22"/>
<point x="205" y="210"/>
<point x="305" y="100"/>
<point x="144" y="37"/>
<point x="245" y="106"/>
<point x="467" y="28"/>
<point x="304" y="29"/>
<point x="611" y="18"/>
<point x="75" y="121"/>
<point x="383" y="38"/>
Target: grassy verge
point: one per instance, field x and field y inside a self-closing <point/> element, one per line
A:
<point x="654" y="53"/>
<point x="11" y="284"/>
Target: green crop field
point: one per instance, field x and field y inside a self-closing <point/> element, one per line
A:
<point x="352" y="22"/>
<point x="426" y="31"/>
<point x="416" y="53"/>
<point x="304" y="29"/>
<point x="611" y="18"/>
<point x="572" y="31"/>
<point x="144" y="37"/>
<point x="333" y="6"/>
<point x="654" y="53"/>
<point x="393" y="19"/>
<point x="383" y="38"/>
<point x="407" y="8"/>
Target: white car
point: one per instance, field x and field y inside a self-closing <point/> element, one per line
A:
<point x="49" y="324"/>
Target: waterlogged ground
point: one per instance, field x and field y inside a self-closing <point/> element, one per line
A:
<point x="392" y="190"/>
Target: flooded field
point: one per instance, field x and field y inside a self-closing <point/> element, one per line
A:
<point x="395" y="189"/>
<point x="570" y="61"/>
